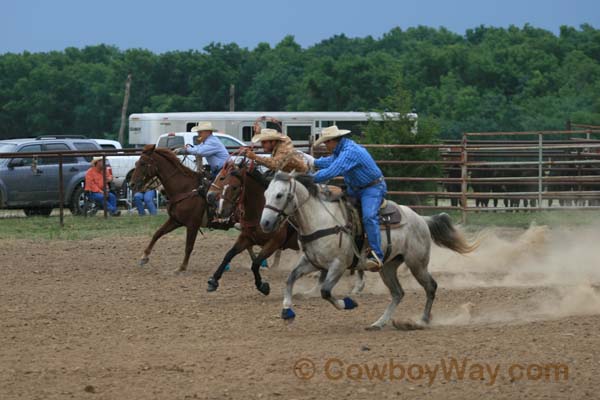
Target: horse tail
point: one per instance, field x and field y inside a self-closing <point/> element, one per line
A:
<point x="444" y="234"/>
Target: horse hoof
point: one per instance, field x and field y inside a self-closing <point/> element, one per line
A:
<point x="349" y="304"/>
<point x="212" y="285"/>
<point x="143" y="262"/>
<point x="264" y="288"/>
<point x="288" y="314"/>
<point x="427" y="320"/>
<point x="373" y="328"/>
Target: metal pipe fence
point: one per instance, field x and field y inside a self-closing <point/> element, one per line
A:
<point x="463" y="176"/>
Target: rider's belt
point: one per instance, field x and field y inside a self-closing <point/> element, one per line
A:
<point x="368" y="185"/>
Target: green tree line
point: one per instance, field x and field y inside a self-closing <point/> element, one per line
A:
<point x="492" y="79"/>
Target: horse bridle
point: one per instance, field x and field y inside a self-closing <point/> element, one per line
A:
<point x="241" y="178"/>
<point x="290" y="196"/>
<point x="153" y="176"/>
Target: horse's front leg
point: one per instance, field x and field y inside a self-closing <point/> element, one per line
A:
<point x="167" y="227"/>
<point x="302" y="268"/>
<point x="334" y="273"/>
<point x="190" y="240"/>
<point x="242" y="242"/>
<point x="268" y="249"/>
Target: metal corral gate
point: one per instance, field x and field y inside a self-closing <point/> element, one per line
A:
<point x="508" y="171"/>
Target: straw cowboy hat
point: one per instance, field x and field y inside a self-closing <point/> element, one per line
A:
<point x="203" y="126"/>
<point x="331" y="132"/>
<point x="95" y="160"/>
<point x="267" y="134"/>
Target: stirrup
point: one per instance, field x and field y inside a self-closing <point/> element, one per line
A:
<point x="373" y="263"/>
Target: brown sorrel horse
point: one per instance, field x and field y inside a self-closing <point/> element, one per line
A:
<point x="239" y="186"/>
<point x="184" y="188"/>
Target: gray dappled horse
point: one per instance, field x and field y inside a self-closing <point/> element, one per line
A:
<point x="297" y="198"/>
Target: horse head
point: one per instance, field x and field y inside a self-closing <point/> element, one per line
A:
<point x="145" y="169"/>
<point x="225" y="191"/>
<point x="286" y="193"/>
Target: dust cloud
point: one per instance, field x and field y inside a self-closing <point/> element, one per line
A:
<point x="562" y="265"/>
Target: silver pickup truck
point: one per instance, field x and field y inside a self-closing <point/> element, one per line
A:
<point x="31" y="183"/>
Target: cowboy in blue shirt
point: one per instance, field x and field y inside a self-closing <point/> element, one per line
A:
<point x="210" y="147"/>
<point x="364" y="181"/>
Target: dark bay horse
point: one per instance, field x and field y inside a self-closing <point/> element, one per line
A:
<point x="184" y="187"/>
<point x="239" y="187"/>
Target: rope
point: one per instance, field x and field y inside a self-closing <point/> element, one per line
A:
<point x="343" y="226"/>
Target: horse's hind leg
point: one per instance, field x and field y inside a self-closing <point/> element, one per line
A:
<point x="359" y="283"/>
<point x="389" y="275"/>
<point x="334" y="273"/>
<point x="167" y="227"/>
<point x="422" y="275"/>
<point x="302" y="268"/>
<point x="190" y="240"/>
<point x="317" y="288"/>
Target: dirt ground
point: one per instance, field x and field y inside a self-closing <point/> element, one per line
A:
<point x="80" y="319"/>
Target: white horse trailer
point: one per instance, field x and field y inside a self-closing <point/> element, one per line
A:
<point x="301" y="127"/>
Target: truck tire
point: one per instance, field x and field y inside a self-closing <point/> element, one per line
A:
<point x="77" y="200"/>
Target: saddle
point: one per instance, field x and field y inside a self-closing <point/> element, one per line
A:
<point x="390" y="217"/>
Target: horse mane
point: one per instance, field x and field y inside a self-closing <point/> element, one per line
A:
<point x="233" y="167"/>
<point x="308" y="181"/>
<point x="171" y="158"/>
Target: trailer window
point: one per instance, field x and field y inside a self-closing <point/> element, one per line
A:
<point x="299" y="132"/>
<point x="356" y="127"/>
<point x="273" y="125"/>
<point x="247" y="133"/>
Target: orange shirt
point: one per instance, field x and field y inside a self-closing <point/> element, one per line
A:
<point x="93" y="180"/>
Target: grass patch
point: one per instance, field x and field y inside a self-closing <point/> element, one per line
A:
<point x="521" y="219"/>
<point x="79" y="228"/>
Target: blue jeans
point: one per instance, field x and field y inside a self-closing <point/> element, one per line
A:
<point x="370" y="199"/>
<point x="145" y="198"/>
<point x="111" y="201"/>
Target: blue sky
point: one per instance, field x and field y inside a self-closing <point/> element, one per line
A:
<point x="36" y="25"/>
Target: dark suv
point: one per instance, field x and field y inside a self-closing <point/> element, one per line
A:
<point x="31" y="183"/>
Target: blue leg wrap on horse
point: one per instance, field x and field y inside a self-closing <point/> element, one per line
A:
<point x="349" y="304"/>
<point x="264" y="264"/>
<point x="287" y="313"/>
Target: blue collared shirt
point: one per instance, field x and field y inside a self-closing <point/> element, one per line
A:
<point x="213" y="150"/>
<point x="350" y="160"/>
